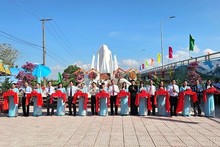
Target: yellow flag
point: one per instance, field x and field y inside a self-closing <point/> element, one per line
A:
<point x="146" y="64"/>
<point x="159" y="58"/>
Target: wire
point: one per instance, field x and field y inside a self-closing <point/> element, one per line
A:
<point x="16" y="39"/>
<point x="27" y="43"/>
<point x="54" y="30"/>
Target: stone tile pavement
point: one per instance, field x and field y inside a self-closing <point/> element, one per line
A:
<point x="69" y="131"/>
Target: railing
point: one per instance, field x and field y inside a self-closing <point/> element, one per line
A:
<point x="184" y="62"/>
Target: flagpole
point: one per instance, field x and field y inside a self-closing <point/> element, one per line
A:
<point x="189" y="54"/>
<point x="161" y="37"/>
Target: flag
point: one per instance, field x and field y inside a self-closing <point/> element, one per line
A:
<point x="191" y="43"/>
<point x="142" y="66"/>
<point x="170" y="52"/>
<point x="59" y="77"/>
<point x="146" y="64"/>
<point x="151" y="61"/>
<point x="158" y="58"/>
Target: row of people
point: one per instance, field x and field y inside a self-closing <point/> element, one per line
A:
<point x="113" y="90"/>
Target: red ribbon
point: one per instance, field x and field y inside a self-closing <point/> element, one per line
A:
<point x="58" y="94"/>
<point x="181" y="102"/>
<point x="6" y="95"/>
<point x="81" y="94"/>
<point x="211" y="90"/>
<point x="101" y="94"/>
<point x="34" y="93"/>
<point x="166" y="94"/>
<point x="121" y="94"/>
<point x="143" y="94"/>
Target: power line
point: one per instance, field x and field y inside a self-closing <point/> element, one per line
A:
<point x="60" y="35"/>
<point x="9" y="36"/>
<point x="27" y="43"/>
<point x="56" y="31"/>
<point x="67" y="41"/>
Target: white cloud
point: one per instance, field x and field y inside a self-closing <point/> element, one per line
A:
<point x="55" y="69"/>
<point x="208" y="51"/>
<point x="82" y="65"/>
<point x="114" y="34"/>
<point x="183" y="54"/>
<point x="129" y="63"/>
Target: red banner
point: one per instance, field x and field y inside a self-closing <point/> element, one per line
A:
<point x="170" y="52"/>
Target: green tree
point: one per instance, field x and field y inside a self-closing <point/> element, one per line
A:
<point x="68" y="74"/>
<point x="8" y="54"/>
<point x="6" y="85"/>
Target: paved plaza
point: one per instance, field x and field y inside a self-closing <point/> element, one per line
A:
<point x="50" y="131"/>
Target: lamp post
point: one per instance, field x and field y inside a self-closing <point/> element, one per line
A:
<point x="161" y="36"/>
<point x="43" y="44"/>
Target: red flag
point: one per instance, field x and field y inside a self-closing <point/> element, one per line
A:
<point x="170" y="52"/>
<point x="142" y="66"/>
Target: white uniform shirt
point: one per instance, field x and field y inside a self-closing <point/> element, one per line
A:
<point x="171" y="89"/>
<point x="74" y="89"/>
<point x="93" y="91"/>
<point x="151" y="89"/>
<point x="113" y="91"/>
<point x="26" y="90"/>
<point x="50" y="90"/>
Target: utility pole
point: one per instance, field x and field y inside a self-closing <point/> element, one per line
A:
<point x="43" y="44"/>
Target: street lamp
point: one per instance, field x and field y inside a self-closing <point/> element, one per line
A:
<point x="43" y="43"/>
<point x="161" y="33"/>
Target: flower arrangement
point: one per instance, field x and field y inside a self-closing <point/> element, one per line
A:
<point x="92" y="75"/>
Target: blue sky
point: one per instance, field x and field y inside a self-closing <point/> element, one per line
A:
<point x="131" y="29"/>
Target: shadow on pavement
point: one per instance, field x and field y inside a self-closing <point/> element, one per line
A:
<point x="170" y="119"/>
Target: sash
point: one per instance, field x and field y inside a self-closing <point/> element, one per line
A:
<point x="180" y="104"/>
<point x="58" y="94"/>
<point x="211" y="90"/>
<point x="34" y="93"/>
<point x="81" y="94"/>
<point x="143" y="94"/>
<point x="166" y="94"/>
<point x="121" y="94"/>
<point x="101" y="94"/>
<point x="6" y="95"/>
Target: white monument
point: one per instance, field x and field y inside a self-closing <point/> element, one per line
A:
<point x="105" y="62"/>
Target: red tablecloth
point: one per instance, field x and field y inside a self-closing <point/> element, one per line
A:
<point x="81" y="94"/>
<point x="166" y="94"/>
<point x="6" y="96"/>
<point x="180" y="104"/>
<point x="211" y="90"/>
<point x="143" y="94"/>
<point x="101" y="94"/>
<point x="121" y="94"/>
<point x="34" y="93"/>
<point x="58" y="94"/>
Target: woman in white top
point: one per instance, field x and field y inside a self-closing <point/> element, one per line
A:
<point x="93" y="90"/>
